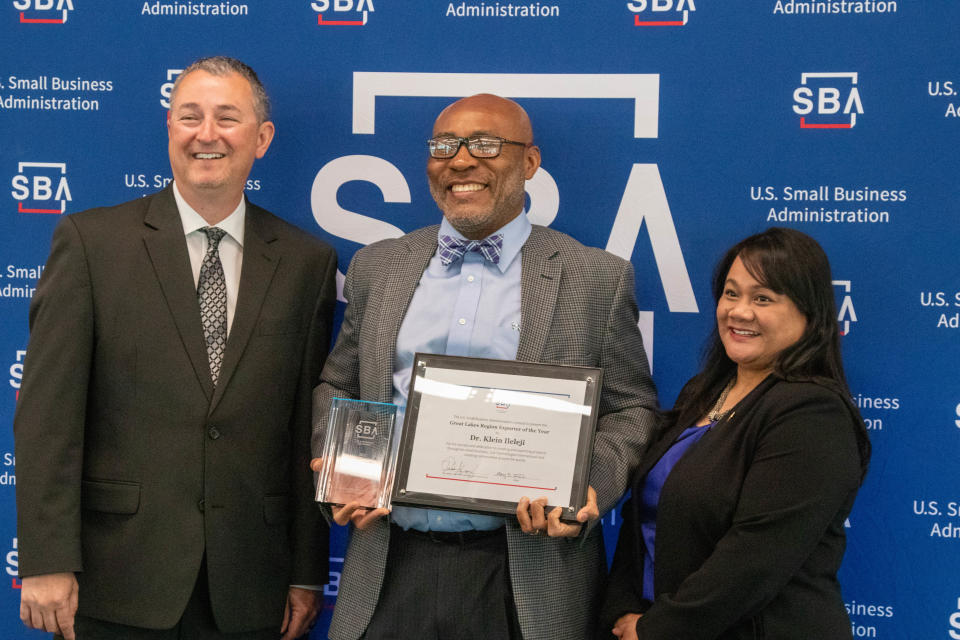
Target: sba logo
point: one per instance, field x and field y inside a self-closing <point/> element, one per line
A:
<point x="356" y="9"/>
<point x="955" y="622"/>
<point x="43" y="11"/>
<point x="847" y="313"/>
<point x="366" y="431"/>
<point x="167" y="87"/>
<point x="832" y="99"/>
<point x="16" y="372"/>
<point x="672" y="15"/>
<point x="39" y="188"/>
<point x="13" y="565"/>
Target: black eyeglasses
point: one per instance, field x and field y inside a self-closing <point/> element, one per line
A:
<point x="444" y="147"/>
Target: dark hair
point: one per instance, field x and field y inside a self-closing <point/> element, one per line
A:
<point x="790" y="263"/>
<point x="224" y="66"/>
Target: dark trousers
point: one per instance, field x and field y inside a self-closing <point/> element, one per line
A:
<point x="196" y="624"/>
<point x="446" y="586"/>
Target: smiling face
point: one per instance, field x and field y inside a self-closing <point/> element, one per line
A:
<point x="480" y="195"/>
<point x="214" y="137"/>
<point x="755" y="323"/>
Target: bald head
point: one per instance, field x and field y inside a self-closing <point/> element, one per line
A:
<point x="510" y="116"/>
<point x="480" y="195"/>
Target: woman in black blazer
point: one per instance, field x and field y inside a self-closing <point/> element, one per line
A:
<point x="736" y="525"/>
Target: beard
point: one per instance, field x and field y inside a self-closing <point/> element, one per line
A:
<point x="475" y="221"/>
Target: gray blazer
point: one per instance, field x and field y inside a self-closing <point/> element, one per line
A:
<point x="577" y="308"/>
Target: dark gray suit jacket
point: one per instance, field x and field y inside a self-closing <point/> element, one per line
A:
<point x="577" y="308"/>
<point x="131" y="465"/>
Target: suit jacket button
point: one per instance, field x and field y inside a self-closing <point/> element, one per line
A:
<point x="214" y="433"/>
<point x="200" y="506"/>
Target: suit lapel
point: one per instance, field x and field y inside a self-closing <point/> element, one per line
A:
<point x="540" y="282"/>
<point x="405" y="269"/>
<point x="260" y="261"/>
<point x="660" y="446"/>
<point x="167" y="248"/>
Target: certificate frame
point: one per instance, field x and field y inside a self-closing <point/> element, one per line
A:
<point x="574" y="434"/>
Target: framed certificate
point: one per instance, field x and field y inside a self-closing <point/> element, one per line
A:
<point x="480" y="434"/>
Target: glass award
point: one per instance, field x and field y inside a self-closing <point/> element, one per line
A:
<point x="358" y="457"/>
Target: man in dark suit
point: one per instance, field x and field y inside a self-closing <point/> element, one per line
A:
<point x="163" y="427"/>
<point x="485" y="283"/>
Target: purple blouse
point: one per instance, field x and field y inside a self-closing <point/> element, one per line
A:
<point x="650" y="498"/>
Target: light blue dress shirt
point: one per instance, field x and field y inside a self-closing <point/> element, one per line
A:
<point x="471" y="308"/>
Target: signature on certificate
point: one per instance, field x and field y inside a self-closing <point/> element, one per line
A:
<point x="509" y="477"/>
<point x="457" y="466"/>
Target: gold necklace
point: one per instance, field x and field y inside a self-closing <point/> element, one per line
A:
<point x="715" y="415"/>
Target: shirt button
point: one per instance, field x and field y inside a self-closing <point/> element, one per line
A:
<point x="462" y="321"/>
<point x="214" y="433"/>
<point x="470" y="278"/>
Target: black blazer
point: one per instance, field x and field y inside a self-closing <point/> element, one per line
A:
<point x="130" y="465"/>
<point x="750" y="524"/>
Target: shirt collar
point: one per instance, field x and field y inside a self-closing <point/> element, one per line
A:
<point x="193" y="221"/>
<point x="515" y="233"/>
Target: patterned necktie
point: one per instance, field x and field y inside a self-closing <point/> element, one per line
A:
<point x="452" y="249"/>
<point x="212" y="294"/>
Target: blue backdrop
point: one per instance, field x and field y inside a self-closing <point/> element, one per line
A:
<point x="669" y="130"/>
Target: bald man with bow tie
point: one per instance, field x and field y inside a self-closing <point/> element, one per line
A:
<point x="484" y="283"/>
